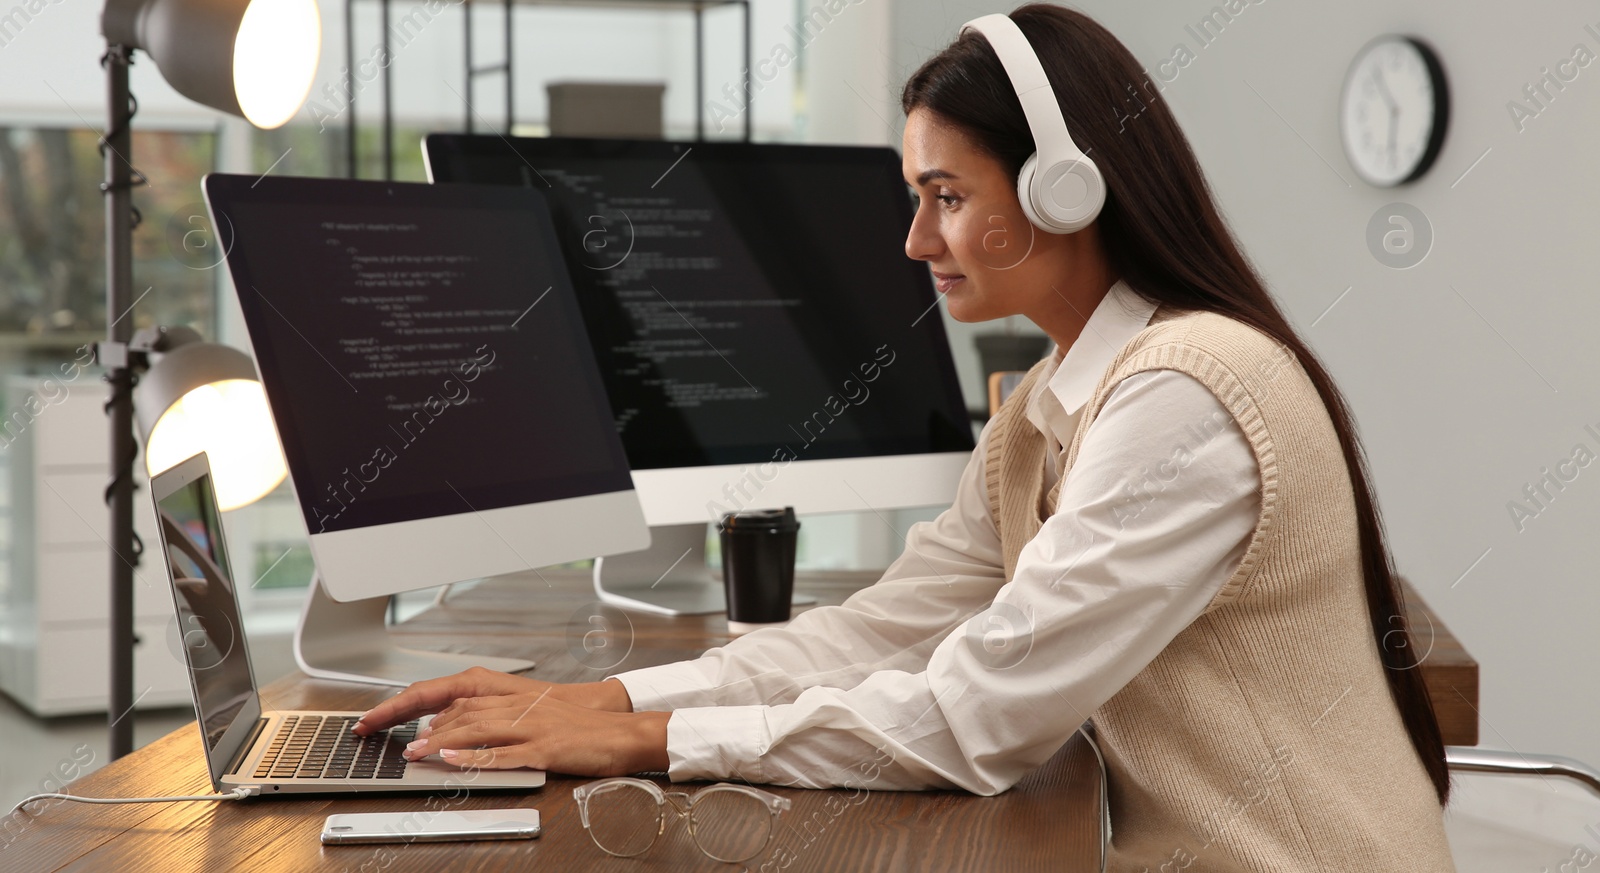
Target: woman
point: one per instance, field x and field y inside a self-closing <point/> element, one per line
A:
<point x="1168" y="529"/>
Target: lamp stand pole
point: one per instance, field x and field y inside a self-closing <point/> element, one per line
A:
<point x="117" y="188"/>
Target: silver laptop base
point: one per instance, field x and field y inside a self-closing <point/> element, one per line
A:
<point x="350" y="642"/>
<point x="669" y="578"/>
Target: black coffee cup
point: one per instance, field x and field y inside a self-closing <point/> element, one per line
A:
<point x="758" y="548"/>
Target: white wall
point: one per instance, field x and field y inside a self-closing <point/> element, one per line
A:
<point x="1469" y="373"/>
<point x="848" y="76"/>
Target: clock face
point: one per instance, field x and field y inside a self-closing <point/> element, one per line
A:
<point x="1393" y="110"/>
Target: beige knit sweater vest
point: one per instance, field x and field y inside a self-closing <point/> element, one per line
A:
<point x="1263" y="737"/>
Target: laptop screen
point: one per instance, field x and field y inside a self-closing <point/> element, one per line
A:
<point x="208" y="609"/>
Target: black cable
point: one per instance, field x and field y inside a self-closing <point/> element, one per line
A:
<point x="122" y="387"/>
<point x="122" y="55"/>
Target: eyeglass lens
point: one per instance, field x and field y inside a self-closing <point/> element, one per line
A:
<point x="730" y="825"/>
<point x="623" y="819"/>
<point x="727" y="825"/>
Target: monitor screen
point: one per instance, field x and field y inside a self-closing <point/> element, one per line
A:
<point x="747" y="302"/>
<point x="421" y="347"/>
<point x="209" y="627"/>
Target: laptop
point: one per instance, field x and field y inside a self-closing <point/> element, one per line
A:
<point x="294" y="752"/>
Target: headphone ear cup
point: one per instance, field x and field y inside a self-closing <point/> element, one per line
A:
<point x="1065" y="197"/>
<point x="1025" y="195"/>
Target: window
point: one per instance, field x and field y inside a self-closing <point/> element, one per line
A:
<point x="52" y="240"/>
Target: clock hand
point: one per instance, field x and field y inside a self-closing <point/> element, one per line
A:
<point x="1394" y="114"/>
<point x="1383" y="87"/>
<point x="1394" y="135"/>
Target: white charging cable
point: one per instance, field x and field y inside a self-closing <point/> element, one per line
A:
<point x="235" y="794"/>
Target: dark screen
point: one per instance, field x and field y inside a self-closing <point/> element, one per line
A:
<point x="420" y="346"/>
<point x="208" y="607"/>
<point x="743" y="299"/>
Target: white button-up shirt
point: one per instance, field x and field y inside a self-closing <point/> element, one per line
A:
<point x="944" y="675"/>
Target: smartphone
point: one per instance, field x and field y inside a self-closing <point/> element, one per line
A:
<point x="427" y="826"/>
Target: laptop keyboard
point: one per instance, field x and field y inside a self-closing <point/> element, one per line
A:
<point x="322" y="747"/>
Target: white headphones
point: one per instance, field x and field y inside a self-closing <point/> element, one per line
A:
<point x="1061" y="189"/>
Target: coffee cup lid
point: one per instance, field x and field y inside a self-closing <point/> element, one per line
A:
<point x="760" y="519"/>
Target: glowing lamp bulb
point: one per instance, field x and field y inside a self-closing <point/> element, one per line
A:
<point x="231" y="423"/>
<point x="275" y="58"/>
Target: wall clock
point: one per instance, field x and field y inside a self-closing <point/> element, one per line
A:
<point x="1393" y="110"/>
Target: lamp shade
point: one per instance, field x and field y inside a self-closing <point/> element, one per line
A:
<point x="255" y="58"/>
<point x="205" y="397"/>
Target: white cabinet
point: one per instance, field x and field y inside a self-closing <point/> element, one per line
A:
<point x="55" y="573"/>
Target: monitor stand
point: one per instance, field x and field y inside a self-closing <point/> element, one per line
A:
<point x="350" y="642"/>
<point x="669" y="578"/>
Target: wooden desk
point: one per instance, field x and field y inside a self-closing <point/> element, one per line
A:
<point x="1449" y="672"/>
<point x="1047" y="821"/>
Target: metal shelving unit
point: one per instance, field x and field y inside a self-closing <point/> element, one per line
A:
<point x="507" y="66"/>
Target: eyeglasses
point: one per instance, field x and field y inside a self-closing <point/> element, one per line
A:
<point x="728" y="822"/>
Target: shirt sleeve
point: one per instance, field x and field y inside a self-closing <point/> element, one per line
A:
<point x="1153" y="518"/>
<point x="951" y="568"/>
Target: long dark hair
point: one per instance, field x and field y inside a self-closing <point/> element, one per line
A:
<point x="1162" y="234"/>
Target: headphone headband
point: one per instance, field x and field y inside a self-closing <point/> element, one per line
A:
<point x="1050" y="137"/>
<point x="1060" y="188"/>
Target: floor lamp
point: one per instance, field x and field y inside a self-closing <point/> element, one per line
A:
<point x="253" y="58"/>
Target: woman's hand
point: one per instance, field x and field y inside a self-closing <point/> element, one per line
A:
<point x="433" y="695"/>
<point x="493" y="720"/>
<point x="540" y="731"/>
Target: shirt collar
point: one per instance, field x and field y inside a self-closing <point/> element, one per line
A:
<point x="1071" y="378"/>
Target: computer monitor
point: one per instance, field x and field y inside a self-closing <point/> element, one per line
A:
<point x="764" y="339"/>
<point x="432" y="384"/>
